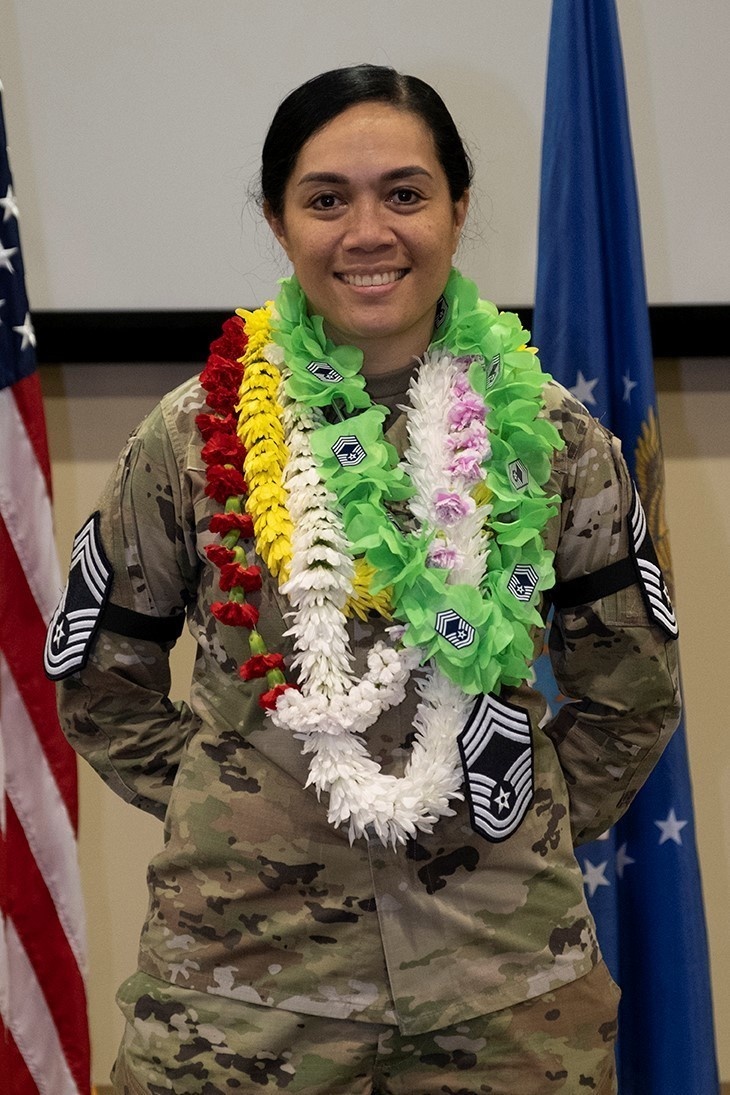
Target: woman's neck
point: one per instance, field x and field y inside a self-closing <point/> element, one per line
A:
<point x="383" y="355"/>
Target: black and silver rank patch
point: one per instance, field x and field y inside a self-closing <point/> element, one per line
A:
<point x="324" y="372"/>
<point x="651" y="579"/>
<point x="518" y="475"/>
<point x="496" y="752"/>
<point x="349" y="451"/>
<point x="495" y="366"/>
<point x="76" y="619"/>
<point x="523" y="582"/>
<point x="454" y="628"/>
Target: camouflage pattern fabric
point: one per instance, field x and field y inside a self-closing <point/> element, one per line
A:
<point x="560" y="1042"/>
<point x="255" y="899"/>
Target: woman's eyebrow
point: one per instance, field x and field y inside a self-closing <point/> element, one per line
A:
<point x="321" y="177"/>
<point x="389" y="176"/>
<point x="406" y="172"/>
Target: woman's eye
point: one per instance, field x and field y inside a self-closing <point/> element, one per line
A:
<point x="325" y="201"/>
<point x="405" y="196"/>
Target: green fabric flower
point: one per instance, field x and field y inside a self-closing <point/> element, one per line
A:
<point x="373" y="472"/>
<point x="304" y="339"/>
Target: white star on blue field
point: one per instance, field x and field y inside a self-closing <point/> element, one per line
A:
<point x="583" y="389"/>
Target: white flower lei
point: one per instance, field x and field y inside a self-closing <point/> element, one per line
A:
<point x="333" y="709"/>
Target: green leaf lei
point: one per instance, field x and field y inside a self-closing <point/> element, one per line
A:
<point x="511" y="382"/>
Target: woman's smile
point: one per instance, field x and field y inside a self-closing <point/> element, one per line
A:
<point x="374" y="280"/>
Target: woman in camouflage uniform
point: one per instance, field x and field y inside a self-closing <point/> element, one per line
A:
<point x="412" y="919"/>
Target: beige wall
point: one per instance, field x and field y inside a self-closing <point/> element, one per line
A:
<point x="694" y="407"/>
<point x="90" y="411"/>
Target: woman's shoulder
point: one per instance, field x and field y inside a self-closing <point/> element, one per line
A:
<point x="180" y="407"/>
<point x="559" y="398"/>
<point x="572" y="419"/>
<point x="171" y="425"/>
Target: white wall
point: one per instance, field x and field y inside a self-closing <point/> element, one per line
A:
<point x="136" y="129"/>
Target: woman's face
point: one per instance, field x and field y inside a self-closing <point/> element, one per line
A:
<point x="370" y="228"/>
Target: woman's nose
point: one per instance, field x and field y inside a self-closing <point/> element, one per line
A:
<point x="368" y="227"/>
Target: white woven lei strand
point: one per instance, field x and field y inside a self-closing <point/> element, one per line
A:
<point x="395" y="808"/>
<point x="319" y="584"/>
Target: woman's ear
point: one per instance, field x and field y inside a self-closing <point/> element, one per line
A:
<point x="461" y="208"/>
<point x="276" y="224"/>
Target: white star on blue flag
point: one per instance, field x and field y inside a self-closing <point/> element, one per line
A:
<point x="671" y="828"/>
<point x="583" y="389"/>
<point x="594" y="876"/>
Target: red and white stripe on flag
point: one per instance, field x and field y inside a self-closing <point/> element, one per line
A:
<point x="44" y="1041"/>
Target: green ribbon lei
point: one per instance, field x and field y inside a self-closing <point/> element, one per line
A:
<point x="504" y="609"/>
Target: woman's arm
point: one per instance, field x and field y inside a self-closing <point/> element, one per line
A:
<point x="115" y="708"/>
<point x="617" y="665"/>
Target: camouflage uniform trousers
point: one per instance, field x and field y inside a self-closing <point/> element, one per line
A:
<point x="562" y="1041"/>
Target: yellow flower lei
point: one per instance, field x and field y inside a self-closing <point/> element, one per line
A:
<point x="262" y="434"/>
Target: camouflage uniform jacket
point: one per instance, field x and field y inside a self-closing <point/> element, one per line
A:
<point x="255" y="897"/>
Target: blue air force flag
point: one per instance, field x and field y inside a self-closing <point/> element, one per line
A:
<point x="642" y="880"/>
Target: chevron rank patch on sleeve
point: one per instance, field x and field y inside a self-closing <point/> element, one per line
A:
<point x="651" y="580"/>
<point x="496" y="751"/>
<point x="76" y="619"/>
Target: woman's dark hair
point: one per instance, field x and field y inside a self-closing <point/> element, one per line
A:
<point x="308" y="108"/>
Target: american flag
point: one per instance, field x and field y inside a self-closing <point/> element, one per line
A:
<point x="44" y="1041"/>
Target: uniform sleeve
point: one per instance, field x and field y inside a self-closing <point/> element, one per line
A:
<point x="116" y="710"/>
<point x="617" y="666"/>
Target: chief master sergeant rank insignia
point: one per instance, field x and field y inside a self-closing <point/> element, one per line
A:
<point x="77" y="617"/>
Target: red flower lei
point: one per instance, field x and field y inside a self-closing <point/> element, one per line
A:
<point x="224" y="454"/>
